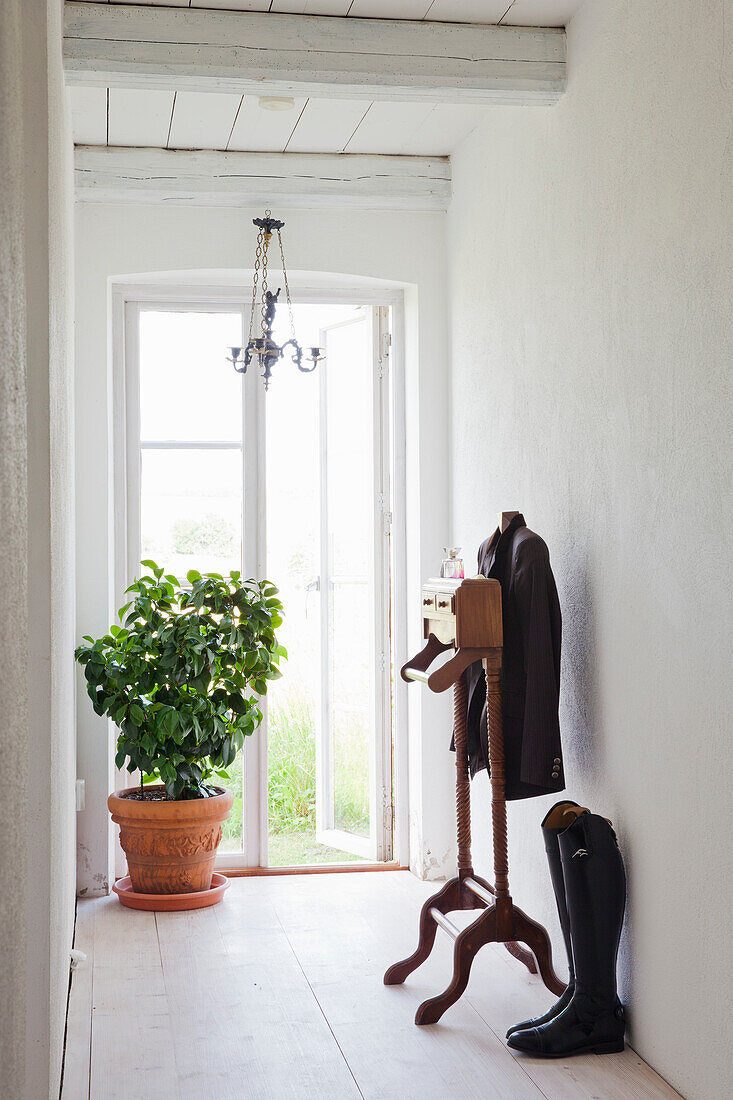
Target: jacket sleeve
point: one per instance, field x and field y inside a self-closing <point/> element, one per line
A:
<point x="538" y="612"/>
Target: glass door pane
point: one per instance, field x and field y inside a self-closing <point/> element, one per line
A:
<point x="292" y="491"/>
<point x="352" y="786"/>
<point x="187" y="389"/>
<point x="191" y="509"/>
<point x="346" y="714"/>
<point x="186" y="412"/>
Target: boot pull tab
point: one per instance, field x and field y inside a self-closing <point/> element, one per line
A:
<point x="575" y="811"/>
<point x="578" y="811"/>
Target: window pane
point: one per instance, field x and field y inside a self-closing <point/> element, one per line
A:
<point x="191" y="514"/>
<point x="187" y="388"/>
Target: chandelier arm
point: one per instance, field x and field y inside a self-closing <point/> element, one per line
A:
<point x="297" y="355"/>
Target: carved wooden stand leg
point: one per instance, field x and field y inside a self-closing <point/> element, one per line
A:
<point x="512" y="924"/>
<point x="500" y="921"/>
<point x="453" y="896"/>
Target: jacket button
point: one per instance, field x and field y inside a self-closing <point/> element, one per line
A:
<point x="557" y="760"/>
<point x="555" y="775"/>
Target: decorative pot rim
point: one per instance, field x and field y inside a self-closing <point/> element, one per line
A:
<point x="173" y="811"/>
<point x="167" y="801"/>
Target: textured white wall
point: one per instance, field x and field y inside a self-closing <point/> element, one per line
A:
<point x="592" y="344"/>
<point x="14" y="574"/>
<point x="36" y="533"/>
<point x="55" y="741"/>
<point x="406" y="249"/>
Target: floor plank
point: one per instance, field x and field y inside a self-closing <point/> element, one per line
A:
<point x="622" y="1076"/>
<point x="77" y="1056"/>
<point x="243" y="1011"/>
<point x="277" y="994"/>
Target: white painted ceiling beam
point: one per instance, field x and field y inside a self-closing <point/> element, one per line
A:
<point x="211" y="178"/>
<point x="306" y="55"/>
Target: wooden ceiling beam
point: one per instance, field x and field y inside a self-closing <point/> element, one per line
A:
<point x="257" y="53"/>
<point x="211" y="178"/>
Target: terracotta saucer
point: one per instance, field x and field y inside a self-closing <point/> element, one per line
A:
<point x="171" y="903"/>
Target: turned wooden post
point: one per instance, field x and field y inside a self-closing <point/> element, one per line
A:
<point x="463" y="781"/>
<point x="492" y="671"/>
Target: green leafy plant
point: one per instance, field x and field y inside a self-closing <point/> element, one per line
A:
<point x="183" y="674"/>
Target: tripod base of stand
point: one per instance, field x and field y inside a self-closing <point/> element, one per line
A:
<point x="500" y="922"/>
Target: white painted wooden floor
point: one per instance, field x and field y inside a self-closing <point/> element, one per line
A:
<point x="277" y="994"/>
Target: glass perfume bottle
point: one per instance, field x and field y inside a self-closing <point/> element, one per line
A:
<point x="451" y="566"/>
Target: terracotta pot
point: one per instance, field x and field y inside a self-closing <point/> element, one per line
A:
<point x="170" y="846"/>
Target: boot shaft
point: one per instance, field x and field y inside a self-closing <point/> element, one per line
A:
<point x="553" y="825"/>
<point x="595" y="891"/>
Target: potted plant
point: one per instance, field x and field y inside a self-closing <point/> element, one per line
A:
<point x="181" y="677"/>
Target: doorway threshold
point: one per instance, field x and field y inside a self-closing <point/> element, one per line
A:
<point x="320" y="869"/>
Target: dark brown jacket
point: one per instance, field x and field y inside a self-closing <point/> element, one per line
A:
<point x="519" y="560"/>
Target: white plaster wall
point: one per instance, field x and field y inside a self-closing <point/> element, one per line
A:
<point x="14" y="574"/>
<point x="36" y="597"/>
<point x="57" y="739"/>
<point x="592" y="342"/>
<point x="405" y="249"/>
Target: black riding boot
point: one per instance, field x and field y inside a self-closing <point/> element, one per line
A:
<point x="595" y="890"/>
<point x="553" y="824"/>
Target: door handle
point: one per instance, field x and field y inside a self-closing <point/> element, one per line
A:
<point x="312" y="586"/>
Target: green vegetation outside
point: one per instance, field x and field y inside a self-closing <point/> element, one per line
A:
<point x="292" y="787"/>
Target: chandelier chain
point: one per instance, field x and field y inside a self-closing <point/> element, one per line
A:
<point x="287" y="287"/>
<point x="258" y="261"/>
<point x="263" y="283"/>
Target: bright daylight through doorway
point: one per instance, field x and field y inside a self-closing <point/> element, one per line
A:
<point x="293" y="485"/>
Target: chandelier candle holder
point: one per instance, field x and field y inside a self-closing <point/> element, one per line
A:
<point x="261" y="347"/>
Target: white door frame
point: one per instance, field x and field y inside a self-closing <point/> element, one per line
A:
<point x="124" y="348"/>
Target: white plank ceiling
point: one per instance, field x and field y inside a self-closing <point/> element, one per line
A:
<point x="517" y="13"/>
<point x="208" y="120"/>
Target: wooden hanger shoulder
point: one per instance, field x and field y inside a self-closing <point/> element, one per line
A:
<point x="504" y="519"/>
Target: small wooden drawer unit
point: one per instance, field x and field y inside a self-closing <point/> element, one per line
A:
<point x="467" y="612"/>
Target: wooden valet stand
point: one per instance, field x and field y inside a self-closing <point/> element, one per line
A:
<point x="466" y="616"/>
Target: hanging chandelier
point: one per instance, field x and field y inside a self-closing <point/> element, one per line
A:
<point x="261" y="347"/>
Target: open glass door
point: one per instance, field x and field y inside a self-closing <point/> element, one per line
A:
<point x="293" y="485"/>
<point x="353" y="732"/>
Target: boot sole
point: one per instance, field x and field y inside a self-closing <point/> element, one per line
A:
<point x="614" y="1047"/>
<point x="609" y="1048"/>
